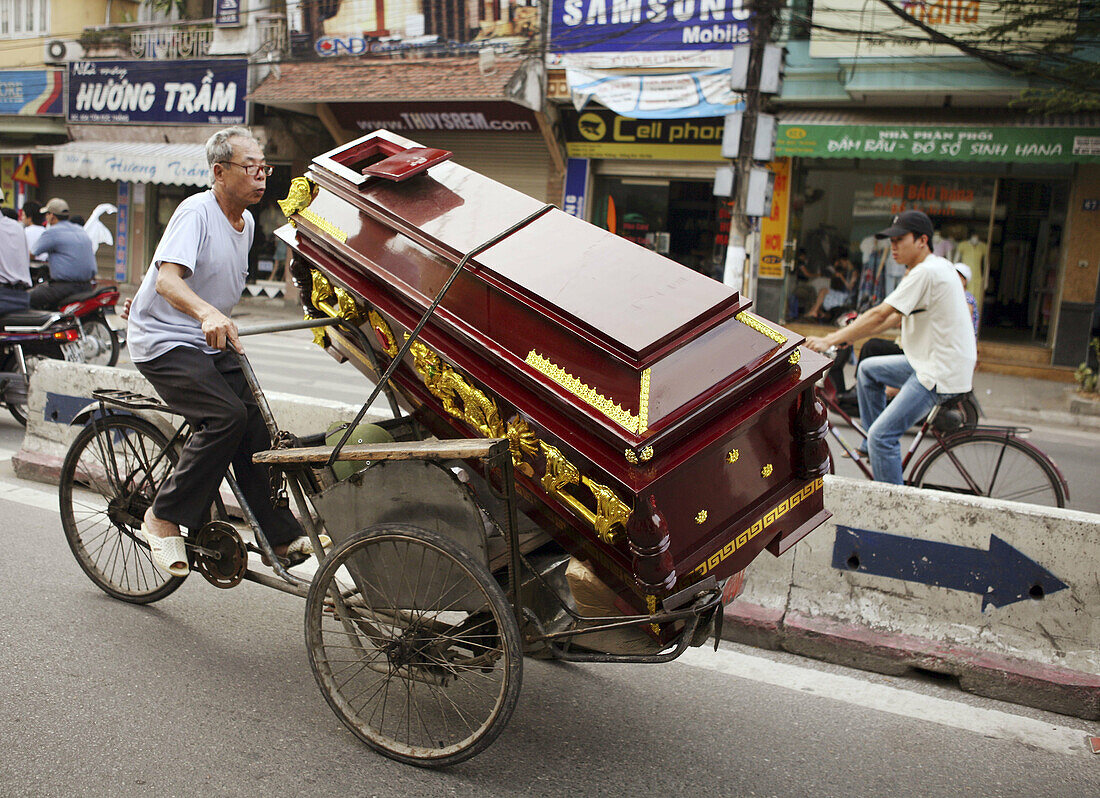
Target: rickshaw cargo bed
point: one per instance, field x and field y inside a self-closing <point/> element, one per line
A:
<point x="658" y="430"/>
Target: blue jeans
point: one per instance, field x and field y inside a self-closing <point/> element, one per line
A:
<point x="886" y="423"/>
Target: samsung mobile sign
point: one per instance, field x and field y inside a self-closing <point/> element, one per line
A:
<point x="604" y="26"/>
<point x="209" y="92"/>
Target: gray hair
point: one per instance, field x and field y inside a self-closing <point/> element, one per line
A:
<point x="218" y="148"/>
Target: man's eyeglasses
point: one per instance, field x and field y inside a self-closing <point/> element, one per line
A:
<point x="255" y="170"/>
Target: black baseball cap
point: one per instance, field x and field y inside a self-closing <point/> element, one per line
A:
<point x="908" y="222"/>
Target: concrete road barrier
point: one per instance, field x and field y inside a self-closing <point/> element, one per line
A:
<point x="61" y="391"/>
<point x="1003" y="596"/>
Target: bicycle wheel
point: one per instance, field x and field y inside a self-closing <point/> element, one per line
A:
<point x="108" y="480"/>
<point x="101" y="345"/>
<point x="413" y="645"/>
<point x="1001" y="467"/>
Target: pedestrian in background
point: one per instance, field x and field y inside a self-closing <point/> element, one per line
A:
<point x="15" y="264"/>
<point x="31" y="217"/>
<point x="71" y="257"/>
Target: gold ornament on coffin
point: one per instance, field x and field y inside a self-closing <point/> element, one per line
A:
<point x="631" y="456"/>
<point x="732" y="455"/>
<point x="611" y="514"/>
<point x="613" y="410"/>
<point x="297" y="199"/>
<point x="347" y="308"/>
<point x="459" y="398"/>
<point x="761" y="327"/>
<point x="646" y="454"/>
<point x="323" y="224"/>
<point x="385" y="335"/>
<point x="766" y="471"/>
<point x="470" y="405"/>
<point x="796" y="356"/>
<point x="701" y="516"/>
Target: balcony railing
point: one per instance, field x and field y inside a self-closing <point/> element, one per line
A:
<point x="171" y="43"/>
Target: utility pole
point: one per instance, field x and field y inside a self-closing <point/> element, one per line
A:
<point x="762" y="23"/>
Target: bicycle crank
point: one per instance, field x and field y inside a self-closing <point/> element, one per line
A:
<point x="219" y="554"/>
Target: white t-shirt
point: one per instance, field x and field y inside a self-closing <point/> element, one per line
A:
<point x="937" y="334"/>
<point x="200" y="238"/>
<point x="33" y="232"/>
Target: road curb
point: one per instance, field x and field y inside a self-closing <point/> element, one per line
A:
<point x="1005" y="678"/>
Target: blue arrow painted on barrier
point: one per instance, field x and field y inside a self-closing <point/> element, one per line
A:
<point x="1002" y="575"/>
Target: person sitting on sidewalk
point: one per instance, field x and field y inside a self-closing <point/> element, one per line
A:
<point x="937" y="339"/>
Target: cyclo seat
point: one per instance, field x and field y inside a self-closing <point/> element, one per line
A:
<point x="26" y="318"/>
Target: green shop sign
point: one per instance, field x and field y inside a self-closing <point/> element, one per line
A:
<point x="944" y="143"/>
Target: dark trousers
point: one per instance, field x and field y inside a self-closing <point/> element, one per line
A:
<point x="12" y="299"/>
<point x="211" y="393"/>
<point x="48" y="295"/>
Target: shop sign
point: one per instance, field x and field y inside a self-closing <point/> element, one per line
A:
<point x="680" y="96"/>
<point x="645" y="33"/>
<point x="575" y="197"/>
<point x="7" y="182"/>
<point x="773" y="228"/>
<point x="32" y="92"/>
<point x="883" y="34"/>
<point x="228" y="13"/>
<point x="122" y="231"/>
<point x="412" y="118"/>
<point x="604" y="134"/>
<point x="208" y="92"/>
<point x="940" y="143"/>
<point x="963" y="197"/>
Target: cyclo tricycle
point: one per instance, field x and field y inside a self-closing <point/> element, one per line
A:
<point x="418" y="619"/>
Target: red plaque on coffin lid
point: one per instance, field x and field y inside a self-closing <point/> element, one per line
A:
<point x="659" y="429"/>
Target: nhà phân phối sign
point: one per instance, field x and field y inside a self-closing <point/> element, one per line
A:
<point x="940" y="143"/>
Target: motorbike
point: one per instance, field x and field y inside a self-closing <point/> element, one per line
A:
<point x="25" y="337"/>
<point x="101" y="342"/>
<point x="89" y="308"/>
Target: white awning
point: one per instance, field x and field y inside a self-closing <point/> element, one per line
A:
<point x="178" y="164"/>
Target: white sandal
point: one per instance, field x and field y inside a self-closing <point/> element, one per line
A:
<point x="304" y="545"/>
<point x="169" y="554"/>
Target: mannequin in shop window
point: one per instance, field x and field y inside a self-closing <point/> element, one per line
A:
<point x="975" y="253"/>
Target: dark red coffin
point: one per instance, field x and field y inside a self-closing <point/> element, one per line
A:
<point x="659" y="429"/>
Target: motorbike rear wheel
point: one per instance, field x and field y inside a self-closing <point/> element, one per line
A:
<point x="101" y="344"/>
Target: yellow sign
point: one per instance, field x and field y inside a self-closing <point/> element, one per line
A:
<point x="773" y="229"/>
<point x="7" y="169"/>
<point x="604" y="134"/>
<point x="25" y="172"/>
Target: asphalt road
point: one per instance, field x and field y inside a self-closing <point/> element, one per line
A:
<point x="209" y="692"/>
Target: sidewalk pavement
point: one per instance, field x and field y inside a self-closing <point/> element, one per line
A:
<point x="1004" y="398"/>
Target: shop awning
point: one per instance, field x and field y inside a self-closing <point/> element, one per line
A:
<point x="936" y="135"/>
<point x="172" y="164"/>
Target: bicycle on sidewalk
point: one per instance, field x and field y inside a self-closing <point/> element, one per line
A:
<point x="965" y="456"/>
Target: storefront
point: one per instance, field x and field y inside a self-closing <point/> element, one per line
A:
<point x="446" y="103"/>
<point x="650" y="181"/>
<point x="998" y="195"/>
<point x="32" y="112"/>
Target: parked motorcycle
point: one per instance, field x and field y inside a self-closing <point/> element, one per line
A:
<point x="101" y="342"/>
<point x="25" y="337"/>
<point x="89" y="308"/>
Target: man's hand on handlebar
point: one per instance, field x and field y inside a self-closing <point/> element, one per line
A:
<point x="220" y="331"/>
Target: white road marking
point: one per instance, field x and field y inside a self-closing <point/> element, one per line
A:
<point x="883" y="698"/>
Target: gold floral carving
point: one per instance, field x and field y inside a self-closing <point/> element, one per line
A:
<point x="766" y="471"/>
<point x="761" y="327"/>
<point x="389" y="345"/>
<point x="613" y="410"/>
<point x="347" y="308"/>
<point x="611" y="511"/>
<point x="323" y="224"/>
<point x="335" y="301"/>
<point x="646" y="454"/>
<point x="796" y="356"/>
<point x="701" y="516"/>
<point x="297" y="199"/>
<point x="732" y="455"/>
<point x="631" y="456"/>
<point x="522" y="443"/>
